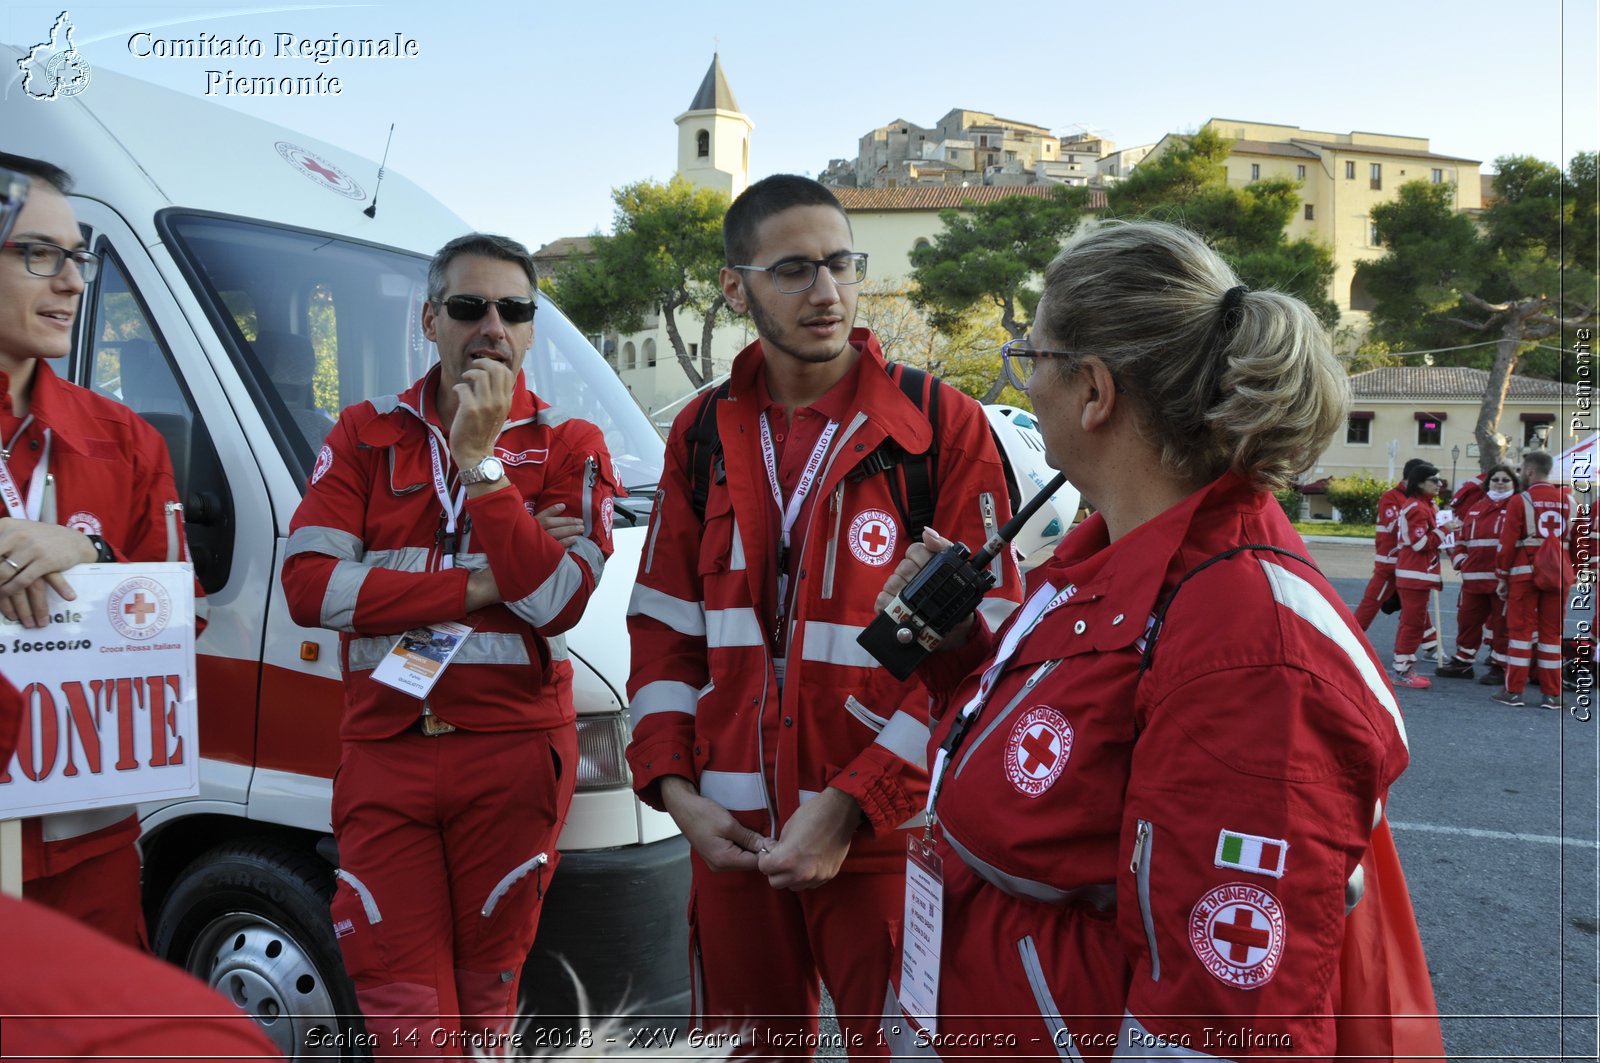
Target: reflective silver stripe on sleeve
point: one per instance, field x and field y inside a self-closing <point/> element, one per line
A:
<point x="335" y="542"/>
<point x="736" y="551"/>
<point x="1471" y="577"/>
<point x="590" y="553"/>
<point x="374" y="917"/>
<point x="1302" y="599"/>
<point x="996" y="611"/>
<point x="1135" y="1042"/>
<point x="1521" y="570"/>
<point x="736" y="791"/>
<point x="407" y="559"/>
<point x="686" y="618"/>
<point x="906" y="738"/>
<point x="1483" y="542"/>
<point x="1103" y="896"/>
<point x="480" y="647"/>
<point x="339" y="600"/>
<point x="834" y="644"/>
<point x="558" y="647"/>
<point x="59" y="826"/>
<point x="553" y="595"/>
<point x="732" y="627"/>
<point x="663" y="695"/>
<point x="1060" y="1036"/>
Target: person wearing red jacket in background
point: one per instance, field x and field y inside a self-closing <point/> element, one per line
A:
<point x="1155" y="790"/>
<point x="70" y="992"/>
<point x="1416" y="571"/>
<point x="1533" y="616"/>
<point x="444" y="506"/>
<point x="1381" y="587"/>
<point x="787" y="755"/>
<point x="84" y="479"/>
<point x="1479" y="507"/>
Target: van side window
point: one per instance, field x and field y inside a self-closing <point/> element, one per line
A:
<point x="129" y="362"/>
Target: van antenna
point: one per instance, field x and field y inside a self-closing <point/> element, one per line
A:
<point x="372" y="208"/>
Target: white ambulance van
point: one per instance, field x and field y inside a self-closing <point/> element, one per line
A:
<point x="248" y="294"/>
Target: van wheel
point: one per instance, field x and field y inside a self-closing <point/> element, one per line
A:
<point x="251" y="920"/>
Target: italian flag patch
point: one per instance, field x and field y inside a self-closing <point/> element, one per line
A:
<point x="1251" y="852"/>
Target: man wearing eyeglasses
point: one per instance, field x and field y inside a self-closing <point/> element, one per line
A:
<point x="83" y="479"/>
<point x="465" y="513"/>
<point x="789" y="758"/>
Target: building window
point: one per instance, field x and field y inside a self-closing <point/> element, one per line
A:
<point x="1535" y="435"/>
<point x="702" y="144"/>
<point x="1349" y="171"/>
<point x="1372" y="233"/>
<point x="630" y="358"/>
<point x="694" y="350"/>
<point x="1438" y="177"/>
<point x="1430" y="430"/>
<point x="1377" y="176"/>
<point x="1255" y="171"/>
<point x="649" y="353"/>
<point x="1358" y="430"/>
<point x="1300" y="172"/>
<point x="1311" y="214"/>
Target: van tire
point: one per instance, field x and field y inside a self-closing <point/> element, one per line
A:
<point x="251" y="920"/>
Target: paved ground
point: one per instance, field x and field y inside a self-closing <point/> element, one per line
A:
<point x="1496" y="822"/>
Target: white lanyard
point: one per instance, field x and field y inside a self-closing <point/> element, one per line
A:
<point x="1037" y="607"/>
<point x="791" y="512"/>
<point x="8" y="486"/>
<point x="452" y="510"/>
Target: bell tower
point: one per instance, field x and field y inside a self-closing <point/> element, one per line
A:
<point x="714" y="136"/>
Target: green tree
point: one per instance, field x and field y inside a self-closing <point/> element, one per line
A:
<point x="1522" y="277"/>
<point x="663" y="256"/>
<point x="986" y="256"/>
<point x="1188" y="185"/>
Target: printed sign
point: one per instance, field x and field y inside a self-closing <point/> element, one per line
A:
<point x="109" y="709"/>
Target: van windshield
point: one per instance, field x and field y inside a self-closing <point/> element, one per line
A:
<point x="320" y="322"/>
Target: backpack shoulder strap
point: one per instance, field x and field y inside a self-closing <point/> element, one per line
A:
<point x="705" y="448"/>
<point x="916" y="487"/>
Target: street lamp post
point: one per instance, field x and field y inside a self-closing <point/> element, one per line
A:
<point x="1455" y="456"/>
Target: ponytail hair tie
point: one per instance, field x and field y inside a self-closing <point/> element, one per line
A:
<point x="1230" y="315"/>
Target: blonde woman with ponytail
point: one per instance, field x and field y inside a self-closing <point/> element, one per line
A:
<point x="1153" y="790"/>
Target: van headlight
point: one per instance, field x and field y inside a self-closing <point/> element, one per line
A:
<point x="602" y="746"/>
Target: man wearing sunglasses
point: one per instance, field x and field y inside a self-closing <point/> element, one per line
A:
<point x="464" y="503"/>
<point x="83" y="479"/>
<point x="785" y="753"/>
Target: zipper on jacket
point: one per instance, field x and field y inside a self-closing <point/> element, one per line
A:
<point x="986" y="511"/>
<point x="655" y="529"/>
<point x="1060" y="1036"/>
<point x="836" y="507"/>
<point x="591" y="475"/>
<point x="174" y="550"/>
<point x="864" y="714"/>
<point x="1140" y="866"/>
<point x="516" y="875"/>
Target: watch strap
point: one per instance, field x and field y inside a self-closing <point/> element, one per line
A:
<point x="106" y="555"/>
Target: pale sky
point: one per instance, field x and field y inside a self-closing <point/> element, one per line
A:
<point x="522" y="117"/>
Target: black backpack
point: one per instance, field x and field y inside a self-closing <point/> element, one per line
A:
<point x="914" y="490"/>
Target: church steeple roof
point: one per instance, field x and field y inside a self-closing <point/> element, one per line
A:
<point x="714" y="93"/>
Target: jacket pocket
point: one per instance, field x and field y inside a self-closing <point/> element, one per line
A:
<point x="716" y="544"/>
<point x="1143" y="848"/>
<point x="864" y="714"/>
<point x="1044" y="1000"/>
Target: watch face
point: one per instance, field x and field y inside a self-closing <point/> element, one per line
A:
<point x="490" y="469"/>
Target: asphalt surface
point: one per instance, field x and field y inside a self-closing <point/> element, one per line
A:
<point x="1496" y="824"/>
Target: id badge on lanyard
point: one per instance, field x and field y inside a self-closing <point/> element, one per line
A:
<point x="923" y="934"/>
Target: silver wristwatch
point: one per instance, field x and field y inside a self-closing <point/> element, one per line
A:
<point x="487" y="471"/>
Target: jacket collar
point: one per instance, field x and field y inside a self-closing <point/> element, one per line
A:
<point x="420" y="398"/>
<point x="52" y="403"/>
<point x="877" y="396"/>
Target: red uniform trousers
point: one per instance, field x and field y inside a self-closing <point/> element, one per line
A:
<point x="102" y="891"/>
<point x="1533" y="636"/>
<point x="754" y="962"/>
<point x="446" y="846"/>
<point x="1379" y="589"/>
<point x="1415" y="624"/>
<point x="1480" y="616"/>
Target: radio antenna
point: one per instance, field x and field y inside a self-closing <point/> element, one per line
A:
<point x="372" y="208"/>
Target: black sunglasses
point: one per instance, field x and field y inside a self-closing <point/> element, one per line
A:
<point x="473" y="307"/>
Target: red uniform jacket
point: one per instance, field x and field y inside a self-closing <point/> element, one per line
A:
<point x="1417" y="539"/>
<point x="1478" y="541"/>
<point x="112" y="478"/>
<point x="1168" y="853"/>
<point x="704" y="698"/>
<point x="1388" y="510"/>
<point x="367" y="546"/>
<point x="1552" y="515"/>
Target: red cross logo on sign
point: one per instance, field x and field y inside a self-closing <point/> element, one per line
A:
<point x="872" y="537"/>
<point x="1237" y="931"/>
<point x="1037" y="751"/>
<point x="141" y="609"/>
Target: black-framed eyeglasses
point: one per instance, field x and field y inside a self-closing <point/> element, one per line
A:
<point x="473" y="307"/>
<point x="1020" y="359"/>
<point x="44" y="259"/>
<point x="795" y="275"/>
